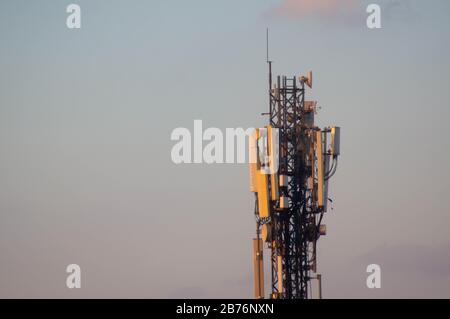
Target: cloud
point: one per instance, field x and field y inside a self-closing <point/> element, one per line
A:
<point x="321" y="8"/>
<point x="343" y="12"/>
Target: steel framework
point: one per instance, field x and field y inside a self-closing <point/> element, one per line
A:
<point x="291" y="200"/>
<point x="290" y="227"/>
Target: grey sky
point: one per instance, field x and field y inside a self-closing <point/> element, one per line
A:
<point x="85" y="122"/>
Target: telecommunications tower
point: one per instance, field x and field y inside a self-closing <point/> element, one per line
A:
<point x="291" y="162"/>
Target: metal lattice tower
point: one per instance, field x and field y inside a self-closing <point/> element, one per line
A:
<point x="291" y="201"/>
<point x="290" y="226"/>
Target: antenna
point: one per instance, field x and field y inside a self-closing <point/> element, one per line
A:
<point x="308" y="79"/>
<point x="267" y="59"/>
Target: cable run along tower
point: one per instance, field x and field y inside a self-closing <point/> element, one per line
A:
<point x="291" y="163"/>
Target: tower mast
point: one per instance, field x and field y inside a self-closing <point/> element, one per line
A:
<point x="289" y="177"/>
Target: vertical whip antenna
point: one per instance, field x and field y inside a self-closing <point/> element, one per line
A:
<point x="268" y="62"/>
